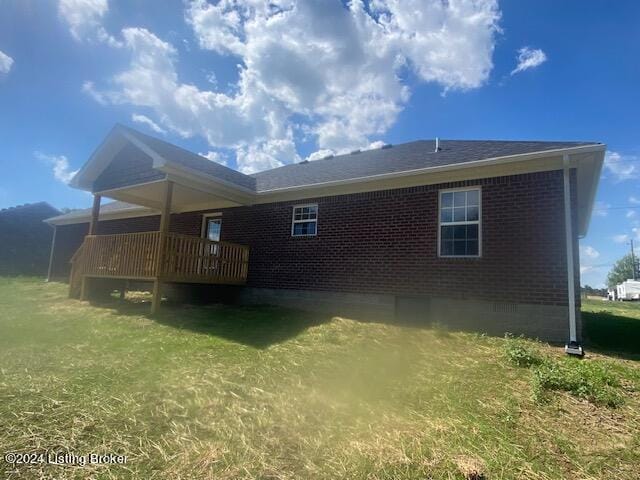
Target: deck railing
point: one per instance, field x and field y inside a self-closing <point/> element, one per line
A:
<point x="185" y="258"/>
<point x="188" y="257"/>
<point x="131" y="255"/>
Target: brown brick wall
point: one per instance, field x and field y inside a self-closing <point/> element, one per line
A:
<point x="386" y="242"/>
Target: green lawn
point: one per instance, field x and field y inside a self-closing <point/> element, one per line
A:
<point x="227" y="392"/>
<point x="613" y="327"/>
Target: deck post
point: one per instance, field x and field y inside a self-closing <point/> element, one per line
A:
<point x="84" y="289"/>
<point x="123" y="290"/>
<point x="95" y="214"/>
<point x="93" y="230"/>
<point x="165" y="219"/>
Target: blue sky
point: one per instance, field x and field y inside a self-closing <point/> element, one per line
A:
<point x="255" y="87"/>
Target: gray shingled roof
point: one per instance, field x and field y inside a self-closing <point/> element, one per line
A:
<point x="397" y="158"/>
<point x="175" y="154"/>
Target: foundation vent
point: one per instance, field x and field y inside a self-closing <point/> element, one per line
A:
<point x="502" y="307"/>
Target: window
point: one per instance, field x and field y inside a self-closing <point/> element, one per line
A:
<point x="460" y="223"/>
<point x="305" y="220"/>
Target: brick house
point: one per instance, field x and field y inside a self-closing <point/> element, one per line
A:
<point x="479" y="234"/>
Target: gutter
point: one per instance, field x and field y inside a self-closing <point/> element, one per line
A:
<point x="573" y="347"/>
<point x="53" y="246"/>
<point x="132" y="212"/>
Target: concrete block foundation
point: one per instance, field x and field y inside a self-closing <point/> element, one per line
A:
<point x="545" y="322"/>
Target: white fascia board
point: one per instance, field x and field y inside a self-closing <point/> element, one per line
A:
<point x="158" y="160"/>
<point x="102" y="156"/>
<point x="99" y="160"/>
<point x="133" y="212"/>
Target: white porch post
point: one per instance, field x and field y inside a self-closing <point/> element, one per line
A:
<point x="572" y="347"/>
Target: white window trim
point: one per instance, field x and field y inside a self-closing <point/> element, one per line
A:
<point x="205" y="217"/>
<point x="294" y="221"/>
<point x="478" y="222"/>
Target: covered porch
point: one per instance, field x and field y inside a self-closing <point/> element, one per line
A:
<point x="158" y="256"/>
<point x="166" y="187"/>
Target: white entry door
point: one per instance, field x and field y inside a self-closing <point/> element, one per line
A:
<point x="212" y="229"/>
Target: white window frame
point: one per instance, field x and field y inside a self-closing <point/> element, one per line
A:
<point x="294" y="221"/>
<point x="476" y="222"/>
<point x="205" y="219"/>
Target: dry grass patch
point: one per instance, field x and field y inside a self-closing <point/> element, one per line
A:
<point x="224" y="392"/>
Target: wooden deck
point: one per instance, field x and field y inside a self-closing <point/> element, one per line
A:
<point x="157" y="256"/>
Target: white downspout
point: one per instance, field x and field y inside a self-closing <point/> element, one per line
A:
<point x="53" y="246"/>
<point x="573" y="347"/>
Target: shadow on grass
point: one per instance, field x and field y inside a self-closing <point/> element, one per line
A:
<point x="258" y="326"/>
<point x="612" y="334"/>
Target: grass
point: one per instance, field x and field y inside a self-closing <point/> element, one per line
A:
<point x="228" y="392"/>
<point x="612" y="327"/>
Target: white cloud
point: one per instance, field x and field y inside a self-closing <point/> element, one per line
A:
<point x="332" y="71"/>
<point x="144" y="120"/>
<point x="60" y="165"/>
<point x="326" y="152"/>
<point x="622" y="167"/>
<point x="630" y="214"/>
<point x="90" y="89"/>
<point x="214" y="157"/>
<point x="212" y="79"/>
<point x="589" y="252"/>
<point x="375" y="145"/>
<point x="634" y="200"/>
<point x="622" y="238"/>
<point x="529" y="58"/>
<point x="601" y="209"/>
<point x="6" y="62"/>
<point x="320" y="154"/>
<point x="585" y="269"/>
<point x="267" y="155"/>
<point x="84" y="18"/>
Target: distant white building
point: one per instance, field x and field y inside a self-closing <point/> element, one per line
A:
<point x="628" y="290"/>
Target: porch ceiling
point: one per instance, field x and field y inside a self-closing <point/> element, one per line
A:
<point x="184" y="199"/>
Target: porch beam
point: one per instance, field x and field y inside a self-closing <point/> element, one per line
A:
<point x="95" y="214"/>
<point x="165" y="219"/>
